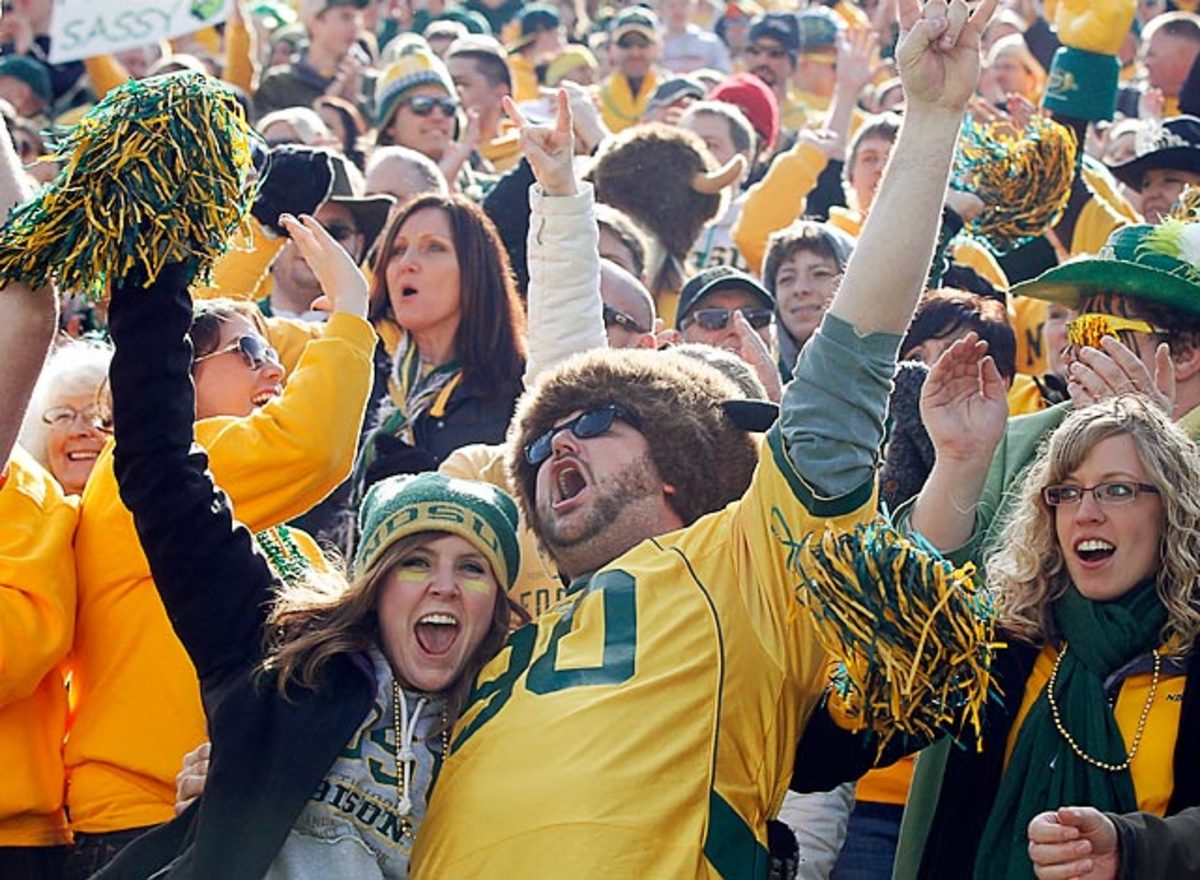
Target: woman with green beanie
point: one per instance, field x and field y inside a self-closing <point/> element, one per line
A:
<point x="329" y="700"/>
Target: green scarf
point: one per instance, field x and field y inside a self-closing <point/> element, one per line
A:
<point x="1044" y="773"/>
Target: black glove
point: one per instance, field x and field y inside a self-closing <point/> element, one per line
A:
<point x="298" y="179"/>
<point x="394" y="456"/>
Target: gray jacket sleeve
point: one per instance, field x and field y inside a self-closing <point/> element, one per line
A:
<point x="1153" y="848"/>
<point x="832" y="414"/>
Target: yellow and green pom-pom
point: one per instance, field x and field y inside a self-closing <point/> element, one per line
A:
<point x="912" y="635"/>
<point x="159" y="171"/>
<point x="1023" y="178"/>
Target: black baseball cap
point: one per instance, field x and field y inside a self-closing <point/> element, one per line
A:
<point x="718" y="278"/>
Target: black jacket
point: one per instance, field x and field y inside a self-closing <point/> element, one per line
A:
<point x="972" y="778"/>
<point x="269" y="754"/>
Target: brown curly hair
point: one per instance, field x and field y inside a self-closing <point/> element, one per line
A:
<point x="676" y="399"/>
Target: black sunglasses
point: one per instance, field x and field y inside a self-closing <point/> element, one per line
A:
<point x="622" y="320"/>
<point x="423" y="105"/>
<point x="340" y="231"/>
<point x="254" y="351"/>
<point x="718" y="319"/>
<point x="592" y="423"/>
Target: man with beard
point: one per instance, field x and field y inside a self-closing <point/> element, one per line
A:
<point x="646" y="725"/>
<point x="772" y="54"/>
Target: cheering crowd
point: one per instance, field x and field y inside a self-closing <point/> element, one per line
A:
<point x="450" y="526"/>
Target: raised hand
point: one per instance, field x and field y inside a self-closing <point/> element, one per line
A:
<point x="1073" y="843"/>
<point x="964" y="403"/>
<point x="550" y="149"/>
<point x="588" y="124"/>
<point x="938" y="52"/>
<point x="343" y="283"/>
<point x="1096" y="374"/>
<point x="856" y="57"/>
<point x="755" y="352"/>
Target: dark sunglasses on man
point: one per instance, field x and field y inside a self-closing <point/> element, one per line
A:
<point x="254" y="351"/>
<point x="622" y="320"/>
<point x="588" y="424"/>
<point x="340" y="232"/>
<point x="423" y="105"/>
<point x="718" y="319"/>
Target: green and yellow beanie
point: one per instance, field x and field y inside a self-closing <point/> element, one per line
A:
<point x="430" y="502"/>
<point x="416" y="67"/>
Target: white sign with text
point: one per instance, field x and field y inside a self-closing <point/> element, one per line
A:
<point x="84" y="28"/>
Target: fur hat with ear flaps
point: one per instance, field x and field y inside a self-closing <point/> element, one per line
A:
<point x="665" y="179"/>
<point x="695" y="447"/>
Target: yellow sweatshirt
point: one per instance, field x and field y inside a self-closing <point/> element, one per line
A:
<point x="135" y="694"/>
<point x="777" y="200"/>
<point x="37" y="621"/>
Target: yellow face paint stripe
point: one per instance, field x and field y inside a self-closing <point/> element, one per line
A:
<point x="475" y="585"/>
<point x="411" y="576"/>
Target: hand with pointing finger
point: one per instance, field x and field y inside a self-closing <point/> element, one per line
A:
<point x="550" y="149"/>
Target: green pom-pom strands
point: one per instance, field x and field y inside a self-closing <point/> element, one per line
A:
<point x="157" y="172"/>
<point x="912" y="634"/>
<point x="1023" y="177"/>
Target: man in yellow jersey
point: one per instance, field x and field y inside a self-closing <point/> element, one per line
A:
<point x="646" y="725"/>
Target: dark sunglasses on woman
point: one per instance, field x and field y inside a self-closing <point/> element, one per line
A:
<point x="718" y="319"/>
<point x="423" y="105"/>
<point x="592" y="423"/>
<point x="254" y="351"/>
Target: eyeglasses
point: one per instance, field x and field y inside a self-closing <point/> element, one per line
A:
<point x="1089" y="329"/>
<point x="423" y="105"/>
<point x="340" y="231"/>
<point x="592" y="423"/>
<point x="253" y="349"/>
<point x="62" y="417"/>
<point x="718" y="319"/>
<point x="632" y="43"/>
<point x="771" y="52"/>
<point x="1107" y="494"/>
<point x="622" y="320"/>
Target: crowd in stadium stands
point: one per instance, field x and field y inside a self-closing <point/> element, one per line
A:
<point x="449" y="527"/>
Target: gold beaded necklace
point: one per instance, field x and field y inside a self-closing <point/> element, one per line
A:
<point x="1141" y="725"/>
<point x="403" y="753"/>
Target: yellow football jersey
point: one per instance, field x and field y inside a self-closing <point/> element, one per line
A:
<point x="645" y="725"/>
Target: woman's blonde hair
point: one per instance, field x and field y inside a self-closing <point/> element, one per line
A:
<point x="324" y="616"/>
<point x="1027" y="572"/>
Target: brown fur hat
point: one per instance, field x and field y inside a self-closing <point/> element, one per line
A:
<point x="678" y="401"/>
<point x="648" y="172"/>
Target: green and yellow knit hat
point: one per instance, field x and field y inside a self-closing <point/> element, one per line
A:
<point x="430" y="502"/>
<point x="416" y="67"/>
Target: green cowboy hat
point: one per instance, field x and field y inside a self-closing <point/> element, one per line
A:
<point x="1143" y="262"/>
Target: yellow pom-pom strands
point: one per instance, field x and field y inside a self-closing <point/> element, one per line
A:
<point x="159" y="171"/>
<point x="912" y="635"/>
<point x="1023" y="178"/>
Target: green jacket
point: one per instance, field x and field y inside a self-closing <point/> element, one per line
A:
<point x="1023" y="439"/>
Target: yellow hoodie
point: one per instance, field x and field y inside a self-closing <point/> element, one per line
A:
<point x="135" y="693"/>
<point x="37" y="620"/>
